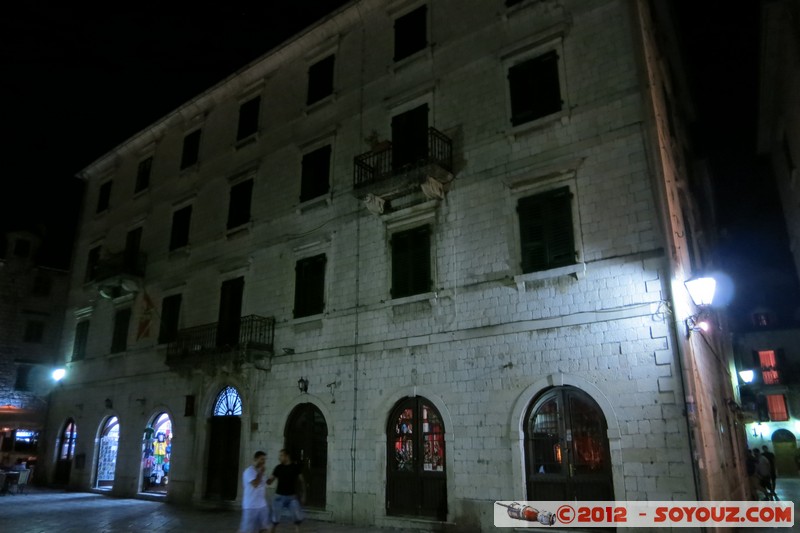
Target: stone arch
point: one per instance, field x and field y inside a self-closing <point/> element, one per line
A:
<point x="516" y="433"/>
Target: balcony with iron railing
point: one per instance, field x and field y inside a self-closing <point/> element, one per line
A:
<point x="393" y="169"/>
<point x="244" y="340"/>
<point x="119" y="265"/>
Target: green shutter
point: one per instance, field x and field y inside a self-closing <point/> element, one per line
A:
<point x="546" y="230"/>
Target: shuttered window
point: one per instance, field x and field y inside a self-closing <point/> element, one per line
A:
<point x="239" y="205"/>
<point x="534" y="88"/>
<point x="309" y="288"/>
<point x="81" y="339"/>
<point x="776" y="404"/>
<point x="143" y="174"/>
<point x="191" y="149"/>
<point x="546" y="230"/>
<point x="91" y="263"/>
<point x="248" y="118"/>
<point x="315" y="178"/>
<point x="410" y="33"/>
<point x="181" y="221"/>
<point x="411" y="262"/>
<point x="320" y="79"/>
<point x="104" y="197"/>
<point x="170" y="312"/>
<point x="122" y="320"/>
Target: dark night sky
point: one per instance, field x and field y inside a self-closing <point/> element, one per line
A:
<point x="76" y="81"/>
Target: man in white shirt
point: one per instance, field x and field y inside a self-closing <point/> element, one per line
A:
<point x="255" y="513"/>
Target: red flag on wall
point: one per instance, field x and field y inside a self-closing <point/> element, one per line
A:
<point x="146" y="317"/>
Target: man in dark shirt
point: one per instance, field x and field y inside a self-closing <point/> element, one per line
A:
<point x="773" y="474"/>
<point x="289" y="492"/>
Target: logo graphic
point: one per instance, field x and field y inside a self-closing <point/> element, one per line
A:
<point x="527" y="513"/>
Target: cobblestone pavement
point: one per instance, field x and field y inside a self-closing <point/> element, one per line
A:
<point x="48" y="511"/>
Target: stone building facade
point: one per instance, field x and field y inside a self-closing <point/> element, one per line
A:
<point x="779" y="108"/>
<point x="33" y="300"/>
<point x="434" y="249"/>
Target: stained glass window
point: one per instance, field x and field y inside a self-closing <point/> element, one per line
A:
<point x="228" y="403"/>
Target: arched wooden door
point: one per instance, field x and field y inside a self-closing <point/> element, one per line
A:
<point x="225" y="431"/>
<point x="416" y="481"/>
<point x="785" y="449"/>
<point x="66" y="452"/>
<point x="107" y="453"/>
<point x="566" y="448"/>
<point x="306" y="439"/>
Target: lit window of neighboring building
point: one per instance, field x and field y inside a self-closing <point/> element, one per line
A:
<point x="776" y="403"/>
<point x="769" y="367"/>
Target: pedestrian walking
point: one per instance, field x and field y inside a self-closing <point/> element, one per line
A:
<point x="290" y="493"/>
<point x="750" y="463"/>
<point x="763" y="473"/>
<point x="773" y="473"/>
<point x="255" y="511"/>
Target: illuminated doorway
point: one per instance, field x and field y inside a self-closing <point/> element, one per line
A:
<point x="566" y="448"/>
<point x="107" y="453"/>
<point x="785" y="449"/>
<point x="66" y="452"/>
<point x="416" y="483"/>
<point x="157" y="454"/>
<point x="225" y="430"/>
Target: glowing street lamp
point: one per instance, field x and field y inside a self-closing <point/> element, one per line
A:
<point x="747" y="376"/>
<point x="701" y="290"/>
<point x="58" y="374"/>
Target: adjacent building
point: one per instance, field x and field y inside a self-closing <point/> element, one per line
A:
<point x="779" y="107"/>
<point x="32" y="305"/>
<point x="434" y="249"/>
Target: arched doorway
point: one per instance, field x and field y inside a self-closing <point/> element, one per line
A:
<point x="416" y="483"/>
<point x="566" y="448"/>
<point x="785" y="448"/>
<point x="306" y="438"/>
<point x="157" y="454"/>
<point x="107" y="453"/>
<point x="224" y="429"/>
<point x="66" y="452"/>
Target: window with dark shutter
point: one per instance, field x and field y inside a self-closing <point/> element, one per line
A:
<point x="410" y="138"/>
<point x="191" y="149"/>
<point x="81" y="339"/>
<point x="104" y="197"/>
<point x="143" y="175"/>
<point x="181" y="221"/>
<point x="411" y="262"/>
<point x="170" y="312"/>
<point x="546" y="230"/>
<point x="309" y="288"/>
<point x="239" y="205"/>
<point x="23" y="378"/>
<point x="534" y="88"/>
<point x="320" y="79"/>
<point x="34" y="331"/>
<point x="248" y="118"/>
<point x="91" y="263"/>
<point x="122" y="320"/>
<point x="410" y="33"/>
<point x="315" y="177"/>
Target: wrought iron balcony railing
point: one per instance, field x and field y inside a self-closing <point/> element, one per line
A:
<point x="120" y="264"/>
<point x="248" y="335"/>
<point x="387" y="161"/>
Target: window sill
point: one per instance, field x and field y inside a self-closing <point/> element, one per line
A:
<point x="511" y="11"/>
<point x="417" y="57"/>
<point x="577" y="270"/>
<point x="241" y="229"/>
<point x="250" y="139"/>
<point x="143" y="192"/>
<point x="430" y="296"/>
<point x="101" y="214"/>
<point x="191" y="169"/>
<point x="320" y="104"/>
<point x="180" y="253"/>
<point x="521" y="130"/>
<point x="324" y="200"/>
<point x="307" y="323"/>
